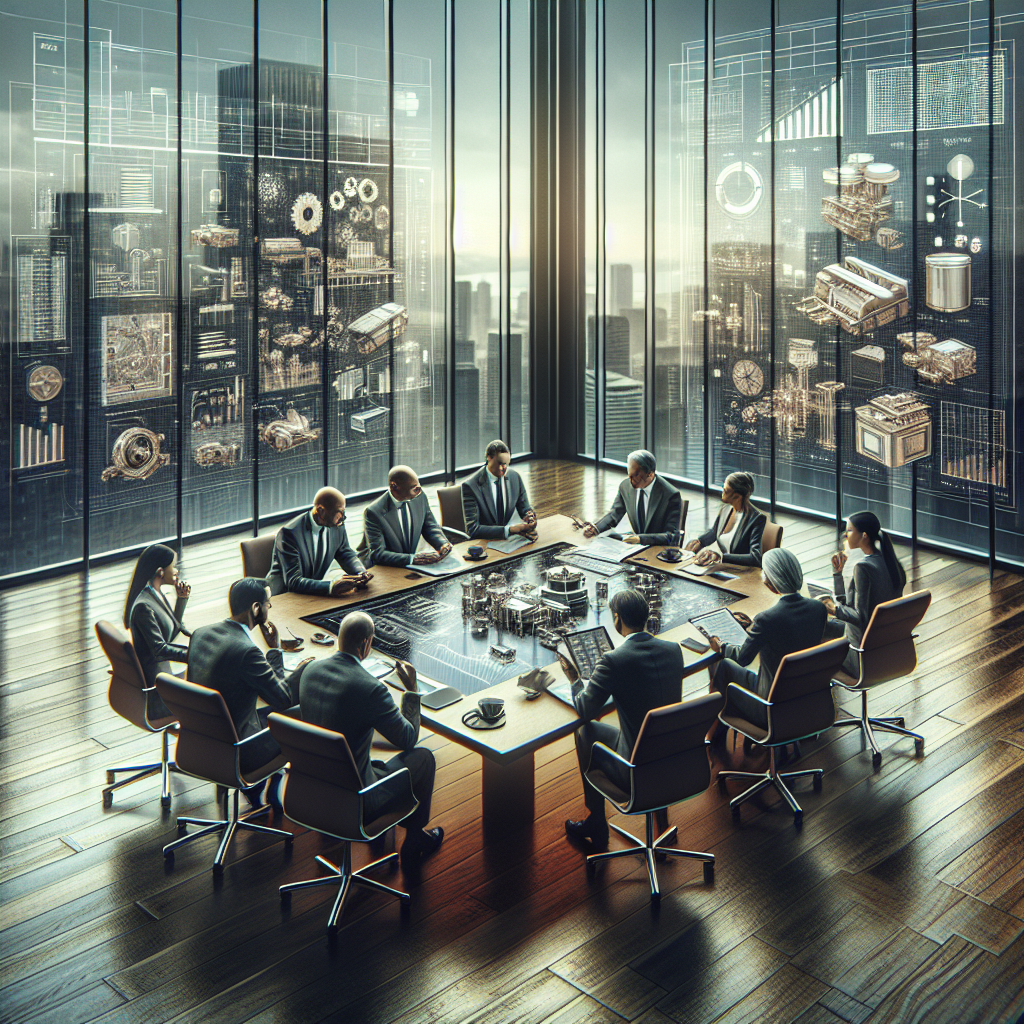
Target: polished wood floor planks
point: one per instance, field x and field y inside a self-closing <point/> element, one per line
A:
<point x="901" y="898"/>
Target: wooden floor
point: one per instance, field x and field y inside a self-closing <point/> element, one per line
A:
<point x="901" y="899"/>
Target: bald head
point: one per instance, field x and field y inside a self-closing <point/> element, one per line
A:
<point x="403" y="483"/>
<point x="329" y="506"/>
<point x="355" y="630"/>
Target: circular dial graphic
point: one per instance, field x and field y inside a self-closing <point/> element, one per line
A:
<point x="44" y="383"/>
<point x="748" y="377"/>
<point x="961" y="167"/>
<point x="739" y="189"/>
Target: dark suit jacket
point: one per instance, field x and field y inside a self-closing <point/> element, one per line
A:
<point x="662" y="514"/>
<point x="793" y="623"/>
<point x="337" y="693"/>
<point x="642" y="673"/>
<point x="293" y="568"/>
<point x="382" y="542"/>
<point x="871" y="585"/>
<point x="478" y="504"/>
<point x="746" y="545"/>
<point x="222" y="657"/>
<point x="154" y="627"/>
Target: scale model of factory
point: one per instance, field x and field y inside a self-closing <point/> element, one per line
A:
<point x="545" y="610"/>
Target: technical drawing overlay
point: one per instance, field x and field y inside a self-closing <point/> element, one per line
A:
<point x="444" y="649"/>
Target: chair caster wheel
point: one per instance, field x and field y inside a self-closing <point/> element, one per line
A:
<point x="108" y="799"/>
<point x="876" y="761"/>
<point x="817" y="783"/>
<point x="165" y="801"/>
<point x="918" y="748"/>
<point x="709" y="873"/>
<point x="110" y="778"/>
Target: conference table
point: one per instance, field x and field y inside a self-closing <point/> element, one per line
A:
<point x="507" y="753"/>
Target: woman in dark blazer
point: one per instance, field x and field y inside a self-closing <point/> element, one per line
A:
<point x="154" y="624"/>
<point x="738" y="528"/>
<point x="877" y="577"/>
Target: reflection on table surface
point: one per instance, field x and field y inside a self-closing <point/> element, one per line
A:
<point x="454" y="630"/>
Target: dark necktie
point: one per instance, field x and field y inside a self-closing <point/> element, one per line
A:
<point x="641" y="512"/>
<point x="320" y="545"/>
<point x="499" y="503"/>
<point x="406" y="527"/>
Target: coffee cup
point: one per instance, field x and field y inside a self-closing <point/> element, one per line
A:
<point x="491" y="708"/>
<point x="289" y="643"/>
<point x="475" y="551"/>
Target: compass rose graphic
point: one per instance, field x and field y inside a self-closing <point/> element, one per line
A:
<point x="960" y="168"/>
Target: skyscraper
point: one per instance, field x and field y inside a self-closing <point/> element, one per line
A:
<point x="516" y="439"/>
<point x="467" y="414"/>
<point x="620" y="288"/>
<point x="616" y="342"/>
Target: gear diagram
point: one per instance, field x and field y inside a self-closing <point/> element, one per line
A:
<point x="45" y="383"/>
<point x="337" y="200"/>
<point x="307" y="213"/>
<point x="748" y="378"/>
<point x="368" y="190"/>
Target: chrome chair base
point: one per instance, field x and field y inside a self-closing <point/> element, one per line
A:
<point x="867" y="725"/>
<point x="163" y="767"/>
<point x="772" y="777"/>
<point x="649" y="849"/>
<point x="343" y="877"/>
<point x="229" y="825"/>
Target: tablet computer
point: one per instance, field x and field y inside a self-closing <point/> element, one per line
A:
<point x="723" y="624"/>
<point x="585" y="648"/>
<point x="818" y="589"/>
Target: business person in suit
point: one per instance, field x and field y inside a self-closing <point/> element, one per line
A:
<point x="337" y="693"/>
<point x="793" y="623"/>
<point x="492" y="494"/>
<point x="642" y="673"/>
<point x="153" y="623"/>
<point x="652" y="505"/>
<point x="737" y="531"/>
<point x="394" y="523"/>
<point x="307" y="545"/>
<point x="225" y="657"/>
<point x="877" y="577"/>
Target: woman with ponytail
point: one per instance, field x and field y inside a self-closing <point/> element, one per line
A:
<point x="877" y="577"/>
<point x="154" y="624"/>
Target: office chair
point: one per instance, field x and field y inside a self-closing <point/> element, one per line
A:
<point x="325" y="793"/>
<point x="887" y="652"/>
<point x="668" y="764"/>
<point x="453" y="516"/>
<point x="257" y="555"/>
<point x="799" y="705"/>
<point x="139" y="704"/>
<point x="209" y="749"/>
<point x="772" y="537"/>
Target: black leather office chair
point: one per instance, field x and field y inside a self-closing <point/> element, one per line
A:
<point x="325" y="793"/>
<point x="669" y="763"/>
<point x="209" y="748"/>
<point x="453" y="515"/>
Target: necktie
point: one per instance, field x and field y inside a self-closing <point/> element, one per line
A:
<point x="406" y="527"/>
<point x="499" y="502"/>
<point x="320" y="545"/>
<point x="641" y="512"/>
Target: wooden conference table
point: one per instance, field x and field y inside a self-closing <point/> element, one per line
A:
<point x="507" y="753"/>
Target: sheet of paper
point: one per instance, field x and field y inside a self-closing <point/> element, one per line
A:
<point x="513" y="543"/>
<point x="607" y="550"/>
<point x="291" y="659"/>
<point x="447" y="565"/>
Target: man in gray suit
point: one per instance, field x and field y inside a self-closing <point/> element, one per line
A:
<point x="492" y="494"/>
<point x="306" y="546"/>
<point x="651" y="503"/>
<point x="394" y="523"/>
<point x="337" y="693"/>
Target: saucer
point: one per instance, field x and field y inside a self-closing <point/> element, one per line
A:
<point x="323" y="639"/>
<point x="479" y="558"/>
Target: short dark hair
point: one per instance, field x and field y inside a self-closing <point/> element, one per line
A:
<point x="496" y="447"/>
<point x="631" y="606"/>
<point x="246" y="592"/>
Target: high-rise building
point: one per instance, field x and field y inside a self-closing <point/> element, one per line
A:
<point x="483" y="310"/>
<point x="623" y="413"/>
<point x="467" y="414"/>
<point x="463" y="310"/>
<point x="616" y="342"/>
<point x="523" y="307"/>
<point x="516" y="440"/>
<point x="620" y="287"/>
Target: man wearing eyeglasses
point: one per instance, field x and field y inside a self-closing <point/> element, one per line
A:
<point x="306" y="547"/>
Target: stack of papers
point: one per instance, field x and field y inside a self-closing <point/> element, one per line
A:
<point x="447" y="564"/>
<point x="607" y="550"/>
